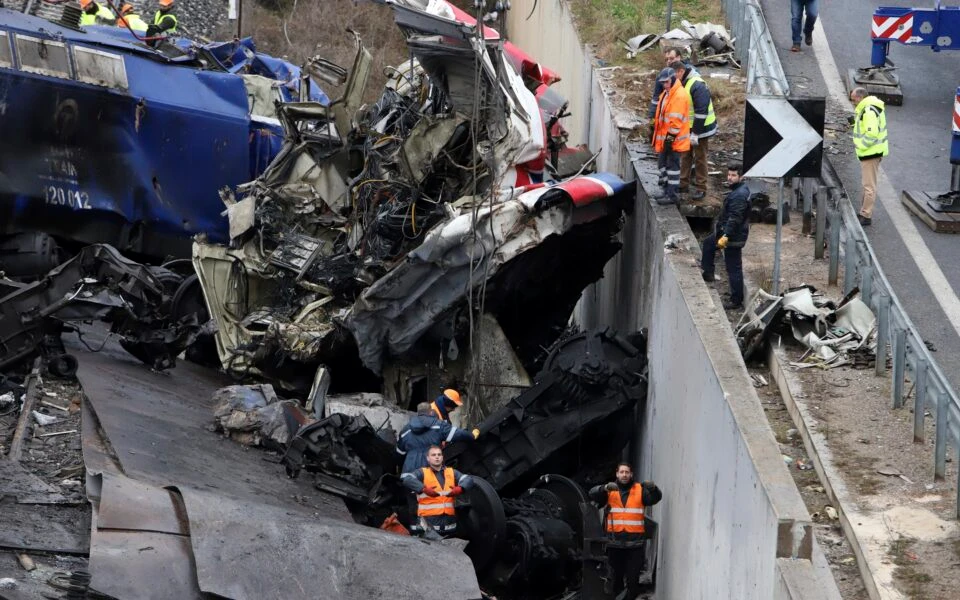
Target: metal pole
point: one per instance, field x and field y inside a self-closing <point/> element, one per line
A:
<point x="883" y="334"/>
<point x="777" y="243"/>
<point x="821" y="222"/>
<point x="919" y="400"/>
<point x="940" y="441"/>
<point x="807" y="195"/>
<point x="835" y="224"/>
<point x="849" y="266"/>
<point x="866" y="286"/>
<point x="669" y="13"/>
<point x="899" y="360"/>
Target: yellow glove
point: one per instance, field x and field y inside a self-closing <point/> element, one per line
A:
<point x="722" y="242"/>
<point x="476" y="433"/>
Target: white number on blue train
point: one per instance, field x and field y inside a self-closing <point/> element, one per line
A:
<point x="58" y="196"/>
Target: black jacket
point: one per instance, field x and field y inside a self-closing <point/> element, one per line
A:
<point x="651" y="496"/>
<point x="734" y="219"/>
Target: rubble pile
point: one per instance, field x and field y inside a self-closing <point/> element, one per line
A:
<point x="381" y="234"/>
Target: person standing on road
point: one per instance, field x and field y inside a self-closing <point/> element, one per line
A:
<point x="625" y="503"/>
<point x="436" y="488"/>
<point x="671" y="134"/>
<point x="797" y="23"/>
<point x="730" y="235"/>
<point x="423" y="431"/>
<point x="870" y="141"/>
<point x="704" y="126"/>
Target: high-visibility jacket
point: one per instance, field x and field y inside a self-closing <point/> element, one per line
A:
<point x="103" y="13"/>
<point x="627" y="518"/>
<point x="134" y="21"/>
<point x="160" y="16"/>
<point x="870" y="129"/>
<point x="702" y="118"/>
<point x="428" y="506"/>
<point x="673" y="119"/>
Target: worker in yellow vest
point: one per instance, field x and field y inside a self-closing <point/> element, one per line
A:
<point x="130" y="18"/>
<point x="436" y="488"/>
<point x="625" y="503"/>
<point x="164" y="21"/>
<point x="94" y="13"/>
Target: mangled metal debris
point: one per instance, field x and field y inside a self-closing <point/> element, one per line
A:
<point x="253" y="415"/>
<point x="97" y="284"/>
<point x="376" y="237"/>
<point x="832" y="333"/>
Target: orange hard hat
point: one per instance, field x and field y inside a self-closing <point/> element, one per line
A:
<point x="453" y="395"/>
<point x="126" y="8"/>
<point x="85" y="3"/>
<point x="166" y="3"/>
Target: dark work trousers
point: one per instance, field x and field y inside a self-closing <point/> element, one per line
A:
<point x="669" y="163"/>
<point x="732" y="258"/>
<point x="626" y="564"/>
<point x="696" y="161"/>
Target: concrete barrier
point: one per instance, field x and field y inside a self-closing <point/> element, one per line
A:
<point x="733" y="524"/>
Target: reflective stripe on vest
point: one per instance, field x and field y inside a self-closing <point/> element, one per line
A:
<point x="428" y="506"/>
<point x="629" y="518"/>
<point x="436" y="410"/>
<point x="159" y="16"/>
<point x="871" y="144"/>
<point x="710" y="117"/>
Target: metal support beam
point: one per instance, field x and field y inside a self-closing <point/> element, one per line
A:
<point x="778" y="242"/>
<point x="866" y="286"/>
<point x="807" y="194"/>
<point x="849" y="265"/>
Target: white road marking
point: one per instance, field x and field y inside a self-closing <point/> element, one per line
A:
<point x="888" y="197"/>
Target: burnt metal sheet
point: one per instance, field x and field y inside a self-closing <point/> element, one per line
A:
<point x="144" y="565"/>
<point x="16" y="482"/>
<point x="130" y="504"/>
<point x="299" y="556"/>
<point x="156" y="424"/>
<point x="42" y="527"/>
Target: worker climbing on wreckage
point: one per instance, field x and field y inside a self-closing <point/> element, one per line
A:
<point x="625" y="502"/>
<point x="95" y="13"/>
<point x="164" y="20"/>
<point x="446" y="403"/>
<point x="424" y="431"/>
<point x="130" y="18"/>
<point x="436" y="488"/>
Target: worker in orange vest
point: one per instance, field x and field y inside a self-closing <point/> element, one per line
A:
<point x="436" y="488"/>
<point x="671" y="132"/>
<point x="446" y="403"/>
<point x="625" y="503"/>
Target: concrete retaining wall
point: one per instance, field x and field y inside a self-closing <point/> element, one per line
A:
<point x="733" y="523"/>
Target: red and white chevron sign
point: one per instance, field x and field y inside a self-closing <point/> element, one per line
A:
<point x="956" y="114"/>
<point x="893" y="28"/>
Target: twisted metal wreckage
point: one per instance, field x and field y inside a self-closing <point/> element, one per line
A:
<point x="439" y="237"/>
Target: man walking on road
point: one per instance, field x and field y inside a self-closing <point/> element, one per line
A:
<point x="730" y="235"/>
<point x="671" y="134"/>
<point x="704" y="126"/>
<point x="625" y="503"/>
<point x="797" y="8"/>
<point x="870" y="140"/>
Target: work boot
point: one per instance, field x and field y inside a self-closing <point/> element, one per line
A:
<point x="864" y="221"/>
<point x="809" y="39"/>
<point x="795" y="48"/>
<point x="708" y="277"/>
<point x="665" y="198"/>
<point x="729" y="304"/>
<point x="697" y="195"/>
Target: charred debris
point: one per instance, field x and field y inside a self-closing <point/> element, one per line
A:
<point x="439" y="236"/>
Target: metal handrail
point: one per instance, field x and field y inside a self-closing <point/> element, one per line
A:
<point x="755" y="49"/>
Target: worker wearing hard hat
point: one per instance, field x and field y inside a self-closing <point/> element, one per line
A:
<point x="164" y="21"/>
<point x="94" y="13"/>
<point x="423" y="431"/>
<point x="130" y="19"/>
<point x="446" y="403"/>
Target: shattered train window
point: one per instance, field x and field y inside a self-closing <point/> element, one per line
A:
<point x="43" y="57"/>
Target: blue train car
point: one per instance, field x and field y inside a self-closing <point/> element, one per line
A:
<point x="105" y="139"/>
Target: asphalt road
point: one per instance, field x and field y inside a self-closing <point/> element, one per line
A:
<point x="919" y="158"/>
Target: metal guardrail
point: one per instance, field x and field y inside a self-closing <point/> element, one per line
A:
<point x="835" y="214"/>
<point x="754" y="48"/>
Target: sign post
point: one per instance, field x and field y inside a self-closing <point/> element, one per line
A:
<point x="782" y="138"/>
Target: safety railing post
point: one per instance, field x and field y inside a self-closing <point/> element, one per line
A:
<point x="835" y="224"/>
<point x="940" y="437"/>
<point x="807" y="192"/>
<point x="821" y="208"/>
<point x="919" y="400"/>
<point x="899" y="360"/>
<point x="850" y="265"/>
<point x="883" y="333"/>
<point x="866" y="285"/>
